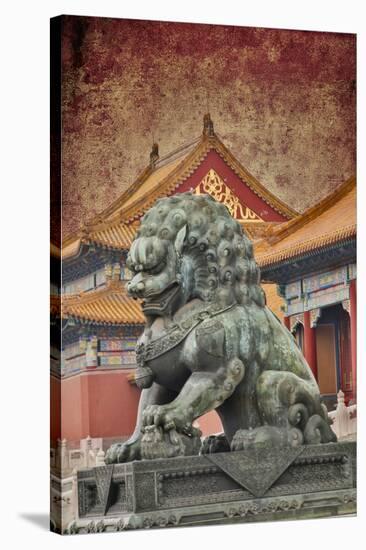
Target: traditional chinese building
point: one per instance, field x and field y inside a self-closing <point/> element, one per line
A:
<point x="100" y="323"/>
<point x="313" y="260"/>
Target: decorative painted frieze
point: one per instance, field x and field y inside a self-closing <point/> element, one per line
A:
<point x="91" y="352"/>
<point x="126" y="358"/>
<point x="319" y="290"/>
<point x="117" y="344"/>
<point x="327" y="297"/>
<point x="117" y="352"/>
<point x="79" y="285"/>
<point x="94" y="352"/>
<point x="293" y="290"/>
<point x="295" y="306"/>
<point x="325" y="280"/>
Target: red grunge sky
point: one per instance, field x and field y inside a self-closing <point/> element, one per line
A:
<point x="282" y="101"/>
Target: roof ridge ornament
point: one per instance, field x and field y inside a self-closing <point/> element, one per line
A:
<point x="208" y="126"/>
<point x="154" y="155"/>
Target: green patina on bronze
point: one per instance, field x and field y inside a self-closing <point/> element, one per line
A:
<point x="210" y="342"/>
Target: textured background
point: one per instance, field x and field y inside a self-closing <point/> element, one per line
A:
<point x="282" y="101"/>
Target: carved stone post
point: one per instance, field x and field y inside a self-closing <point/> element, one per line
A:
<point x="310" y="344"/>
<point x="100" y="458"/>
<point x="88" y="451"/>
<point x="62" y="454"/>
<point x="341" y="420"/>
<point x="74" y="495"/>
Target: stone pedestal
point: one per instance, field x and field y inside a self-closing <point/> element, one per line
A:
<point x="261" y="485"/>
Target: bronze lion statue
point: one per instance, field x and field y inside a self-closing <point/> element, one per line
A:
<point x="210" y="342"/>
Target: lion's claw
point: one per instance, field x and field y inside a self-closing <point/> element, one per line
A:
<point x="166" y="416"/>
<point x="123" y="452"/>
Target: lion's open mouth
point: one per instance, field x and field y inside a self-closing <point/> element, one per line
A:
<point x="157" y="305"/>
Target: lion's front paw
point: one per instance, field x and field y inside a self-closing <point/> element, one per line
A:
<point x="124" y="452"/>
<point x="169" y="417"/>
<point x="157" y="443"/>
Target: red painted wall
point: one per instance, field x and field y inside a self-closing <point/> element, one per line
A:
<point x="102" y="404"/>
<point x="210" y="423"/>
<point x="72" y="406"/>
<point x="99" y="404"/>
<point x="55" y="407"/>
<point x="113" y="404"/>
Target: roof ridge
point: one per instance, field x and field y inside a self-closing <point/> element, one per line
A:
<point x="179" y="149"/>
<point x="326" y="239"/>
<point x="276" y="234"/>
<point x="201" y="148"/>
<point x="125" y="215"/>
<point x="143" y="175"/>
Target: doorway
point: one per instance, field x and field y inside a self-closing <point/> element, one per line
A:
<point x="333" y="353"/>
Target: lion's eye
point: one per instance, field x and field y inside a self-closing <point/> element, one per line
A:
<point x="157" y="268"/>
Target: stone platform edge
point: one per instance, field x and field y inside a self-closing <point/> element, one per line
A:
<point x="313" y="481"/>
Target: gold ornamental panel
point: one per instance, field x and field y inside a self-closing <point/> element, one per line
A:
<point x="213" y="185"/>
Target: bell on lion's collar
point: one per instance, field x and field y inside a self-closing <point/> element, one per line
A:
<point x="144" y="377"/>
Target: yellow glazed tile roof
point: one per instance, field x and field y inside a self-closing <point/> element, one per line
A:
<point x="110" y="305"/>
<point x="332" y="220"/>
<point x="112" y="227"/>
<point x="115" y="236"/>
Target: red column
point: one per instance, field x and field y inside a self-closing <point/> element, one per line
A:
<point x="286" y="322"/>
<point x="353" y="318"/>
<point x="310" y="344"/>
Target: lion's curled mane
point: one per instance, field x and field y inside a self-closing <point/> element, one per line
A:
<point x="221" y="253"/>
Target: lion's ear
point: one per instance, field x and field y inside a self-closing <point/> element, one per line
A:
<point x="179" y="240"/>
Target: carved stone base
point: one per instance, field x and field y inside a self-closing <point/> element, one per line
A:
<point x="260" y="485"/>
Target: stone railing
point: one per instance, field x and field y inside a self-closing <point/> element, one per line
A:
<point x="65" y="462"/>
<point x="89" y="454"/>
<point x="344" y="418"/>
